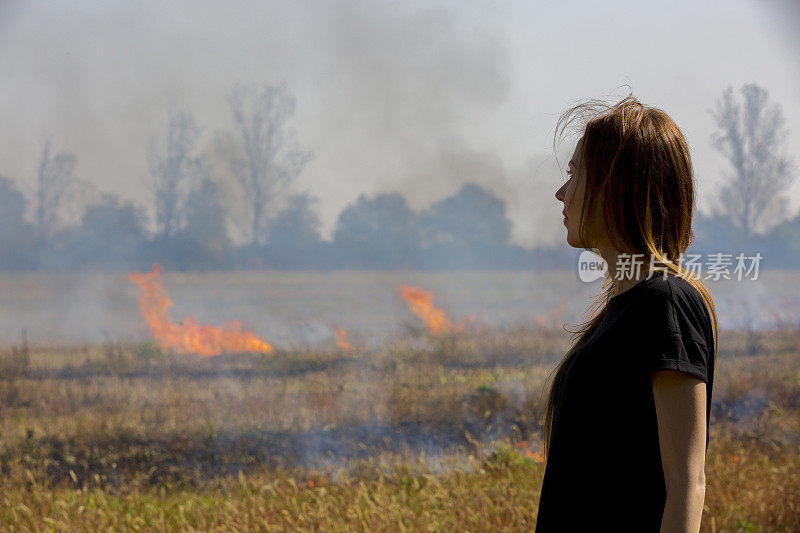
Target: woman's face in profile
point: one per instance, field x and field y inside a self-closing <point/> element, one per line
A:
<point x="571" y="194"/>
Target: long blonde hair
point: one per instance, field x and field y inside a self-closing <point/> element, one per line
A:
<point x="639" y="174"/>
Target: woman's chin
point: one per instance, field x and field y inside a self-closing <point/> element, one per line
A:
<point x="575" y="242"/>
<point x="571" y="241"/>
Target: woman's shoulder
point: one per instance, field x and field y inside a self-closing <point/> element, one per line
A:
<point x="665" y="287"/>
<point x="679" y="303"/>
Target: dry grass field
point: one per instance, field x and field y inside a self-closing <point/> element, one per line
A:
<point x="428" y="434"/>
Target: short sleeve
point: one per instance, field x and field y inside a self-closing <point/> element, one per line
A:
<point x="679" y="352"/>
<point x="673" y="332"/>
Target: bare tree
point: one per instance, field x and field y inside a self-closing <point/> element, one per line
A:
<point x="173" y="169"/>
<point x="262" y="153"/>
<point x="55" y="177"/>
<point x="751" y="136"/>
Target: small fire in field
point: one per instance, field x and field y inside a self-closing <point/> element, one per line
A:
<point x="189" y="336"/>
<point x="341" y="340"/>
<point x="421" y="304"/>
<point x="555" y="316"/>
<point x="524" y="448"/>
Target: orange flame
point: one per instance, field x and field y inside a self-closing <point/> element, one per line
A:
<point x="189" y="336"/>
<point x="528" y="453"/>
<point x="555" y="316"/>
<point x="341" y="340"/>
<point x="421" y="304"/>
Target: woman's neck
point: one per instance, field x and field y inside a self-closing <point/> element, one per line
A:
<point x="626" y="269"/>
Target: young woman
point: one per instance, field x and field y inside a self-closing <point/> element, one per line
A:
<point x="626" y="424"/>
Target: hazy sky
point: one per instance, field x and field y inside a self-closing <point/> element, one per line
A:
<point x="391" y="96"/>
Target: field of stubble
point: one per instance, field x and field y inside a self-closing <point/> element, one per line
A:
<point x="428" y="434"/>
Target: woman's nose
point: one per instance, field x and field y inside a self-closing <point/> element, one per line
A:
<point x="560" y="194"/>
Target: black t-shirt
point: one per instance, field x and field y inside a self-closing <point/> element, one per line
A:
<point x="604" y="469"/>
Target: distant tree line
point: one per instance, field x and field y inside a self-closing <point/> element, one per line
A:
<point x="469" y="229"/>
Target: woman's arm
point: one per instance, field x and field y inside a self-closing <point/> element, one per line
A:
<point x="680" y="401"/>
